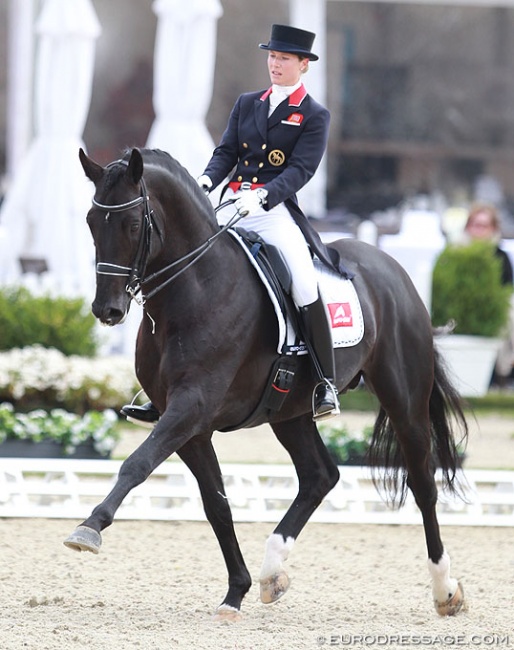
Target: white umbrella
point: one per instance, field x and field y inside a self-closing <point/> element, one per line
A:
<point x="185" y="54"/>
<point x="44" y="210"/>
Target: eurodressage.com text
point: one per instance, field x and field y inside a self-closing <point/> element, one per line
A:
<point x="415" y="640"/>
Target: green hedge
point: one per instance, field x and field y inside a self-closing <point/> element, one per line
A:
<point x="53" y="322"/>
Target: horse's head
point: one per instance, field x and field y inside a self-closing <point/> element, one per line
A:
<point x="120" y="222"/>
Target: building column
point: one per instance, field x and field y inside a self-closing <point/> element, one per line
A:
<point x="311" y="15"/>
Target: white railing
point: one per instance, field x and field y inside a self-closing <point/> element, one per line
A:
<point x="71" y="488"/>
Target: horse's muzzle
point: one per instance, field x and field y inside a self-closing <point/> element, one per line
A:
<point x="109" y="315"/>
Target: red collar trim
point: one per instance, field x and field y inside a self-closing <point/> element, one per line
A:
<point x="266" y="94"/>
<point x="295" y="99"/>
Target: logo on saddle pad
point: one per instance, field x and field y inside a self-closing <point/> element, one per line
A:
<point x="340" y="314"/>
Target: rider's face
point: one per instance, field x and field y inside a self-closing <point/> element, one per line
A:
<point x="284" y="68"/>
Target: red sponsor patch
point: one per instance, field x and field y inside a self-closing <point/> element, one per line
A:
<point x="340" y="314"/>
<point x="296" y="118"/>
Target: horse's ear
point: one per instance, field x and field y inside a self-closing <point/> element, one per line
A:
<point x="93" y="170"/>
<point x="135" y="167"/>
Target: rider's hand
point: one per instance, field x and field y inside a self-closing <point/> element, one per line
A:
<point x="251" y="201"/>
<point x="205" y="183"/>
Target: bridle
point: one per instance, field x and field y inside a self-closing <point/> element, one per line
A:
<point x="136" y="273"/>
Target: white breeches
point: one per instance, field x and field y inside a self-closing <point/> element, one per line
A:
<point x="278" y="228"/>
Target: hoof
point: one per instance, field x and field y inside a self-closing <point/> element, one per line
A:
<point x="84" y="538"/>
<point x="453" y="605"/>
<point x="227" y="614"/>
<point x="274" y="587"/>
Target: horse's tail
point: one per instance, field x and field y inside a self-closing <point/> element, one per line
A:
<point x="446" y="420"/>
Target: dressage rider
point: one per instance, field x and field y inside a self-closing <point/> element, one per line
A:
<point x="273" y="144"/>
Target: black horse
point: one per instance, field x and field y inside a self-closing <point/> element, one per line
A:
<point x="204" y="351"/>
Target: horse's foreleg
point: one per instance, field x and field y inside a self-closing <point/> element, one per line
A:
<point x="133" y="471"/>
<point x="200" y="457"/>
<point x="317" y="475"/>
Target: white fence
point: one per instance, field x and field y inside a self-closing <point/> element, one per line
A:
<point x="71" y="488"/>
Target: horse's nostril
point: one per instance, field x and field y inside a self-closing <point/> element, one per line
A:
<point x="108" y="315"/>
<point x="113" y="316"/>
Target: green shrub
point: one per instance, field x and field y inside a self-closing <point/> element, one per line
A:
<point x="467" y="288"/>
<point x="53" y="322"/>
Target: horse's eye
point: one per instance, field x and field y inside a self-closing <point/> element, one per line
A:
<point x="134" y="227"/>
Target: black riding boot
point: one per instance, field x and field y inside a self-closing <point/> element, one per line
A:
<point x="145" y="415"/>
<point x="316" y="330"/>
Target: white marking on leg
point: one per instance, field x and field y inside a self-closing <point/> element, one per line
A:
<point x="443" y="587"/>
<point x="277" y="551"/>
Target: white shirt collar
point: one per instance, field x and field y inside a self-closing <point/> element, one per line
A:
<point x="284" y="91"/>
<point x="279" y="93"/>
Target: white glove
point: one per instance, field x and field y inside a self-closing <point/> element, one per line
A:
<point x="204" y="182"/>
<point x="251" y="201"/>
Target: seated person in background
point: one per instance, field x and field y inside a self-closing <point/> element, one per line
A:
<point x="483" y="223"/>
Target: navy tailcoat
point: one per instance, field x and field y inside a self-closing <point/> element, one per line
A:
<point x="281" y="153"/>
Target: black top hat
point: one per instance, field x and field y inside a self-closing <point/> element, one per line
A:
<point x="291" y="39"/>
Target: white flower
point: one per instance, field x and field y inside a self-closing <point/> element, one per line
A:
<point x="99" y="381"/>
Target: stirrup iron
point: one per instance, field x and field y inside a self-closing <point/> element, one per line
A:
<point x="332" y="412"/>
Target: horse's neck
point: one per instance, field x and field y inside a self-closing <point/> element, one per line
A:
<point x="201" y="261"/>
<point x="187" y="227"/>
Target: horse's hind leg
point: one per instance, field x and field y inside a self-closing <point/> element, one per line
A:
<point x="447" y="592"/>
<point x="317" y="475"/>
<point x="411" y="422"/>
<point x="200" y="457"/>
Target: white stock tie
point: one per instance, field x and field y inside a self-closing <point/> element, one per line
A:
<point x="276" y="98"/>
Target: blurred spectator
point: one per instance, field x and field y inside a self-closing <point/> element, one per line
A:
<point x="483" y="223"/>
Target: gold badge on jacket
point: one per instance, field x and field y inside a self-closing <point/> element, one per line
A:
<point x="276" y="157"/>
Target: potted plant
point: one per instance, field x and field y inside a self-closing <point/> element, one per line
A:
<point x="472" y="306"/>
<point x="57" y="433"/>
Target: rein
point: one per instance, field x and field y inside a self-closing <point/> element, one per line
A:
<point x="137" y="271"/>
<point x="195" y="254"/>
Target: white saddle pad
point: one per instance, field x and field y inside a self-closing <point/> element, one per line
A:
<point x="342" y="306"/>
